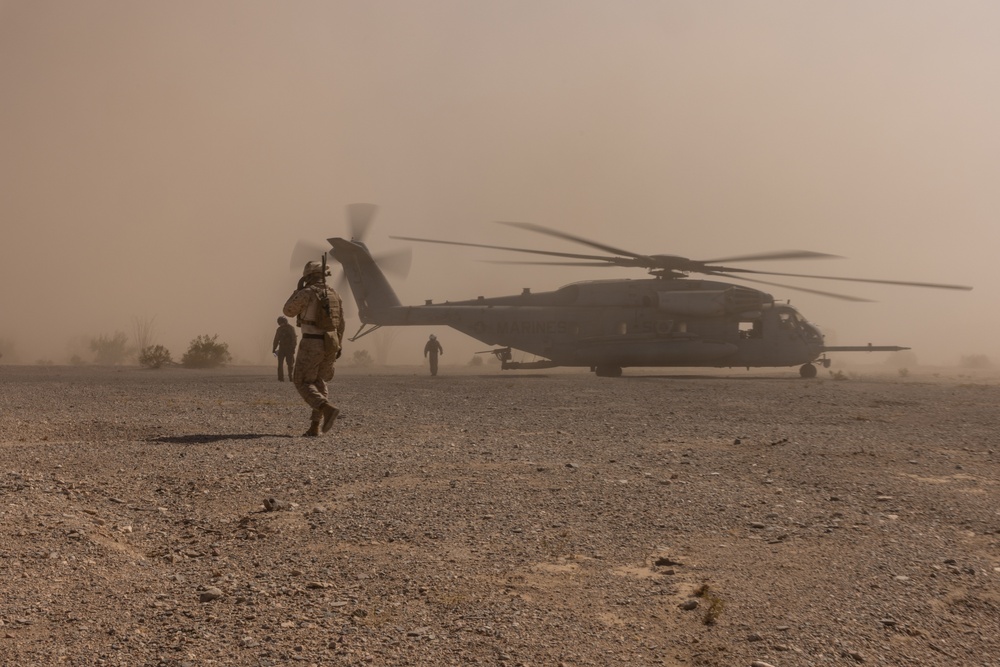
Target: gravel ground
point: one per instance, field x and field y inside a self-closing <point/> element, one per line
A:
<point x="176" y="518"/>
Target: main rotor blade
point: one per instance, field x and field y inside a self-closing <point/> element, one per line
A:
<point x="832" y="295"/>
<point x="359" y="219"/>
<point x="570" y="237"/>
<point x="570" y="255"/>
<point x="511" y="261"/>
<point x="306" y="251"/>
<point x="780" y="254"/>
<point x="396" y="261"/>
<point x="904" y="283"/>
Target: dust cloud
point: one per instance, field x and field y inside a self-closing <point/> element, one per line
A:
<point x="158" y="161"/>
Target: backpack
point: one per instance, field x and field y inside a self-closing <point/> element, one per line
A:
<point x="328" y="313"/>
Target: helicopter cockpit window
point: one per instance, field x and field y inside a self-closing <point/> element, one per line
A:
<point x="788" y="321"/>
<point x="750" y="329"/>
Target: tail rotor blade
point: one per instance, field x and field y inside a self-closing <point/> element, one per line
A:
<point x="343" y="288"/>
<point x="396" y="262"/>
<point x="359" y="219"/>
<point x="306" y="251"/>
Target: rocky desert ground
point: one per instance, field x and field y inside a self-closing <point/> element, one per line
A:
<point x="175" y="517"/>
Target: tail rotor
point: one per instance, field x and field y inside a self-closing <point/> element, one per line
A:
<point x="360" y="218"/>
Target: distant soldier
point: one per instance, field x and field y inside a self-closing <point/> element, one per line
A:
<point x="433" y="349"/>
<point x="283" y="347"/>
<point x="317" y="310"/>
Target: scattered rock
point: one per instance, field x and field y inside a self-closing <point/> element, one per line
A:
<point x="275" y="505"/>
<point x="209" y="594"/>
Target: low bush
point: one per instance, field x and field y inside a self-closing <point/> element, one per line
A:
<point x="206" y="352"/>
<point x="155" y="356"/>
<point x="363" y="359"/>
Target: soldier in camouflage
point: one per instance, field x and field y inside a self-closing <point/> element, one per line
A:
<point x="318" y="311"/>
<point x="283" y="347"/>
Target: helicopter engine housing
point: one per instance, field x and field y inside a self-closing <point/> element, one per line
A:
<point x="709" y="303"/>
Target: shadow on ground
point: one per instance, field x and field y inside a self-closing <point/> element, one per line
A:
<point x="202" y="438"/>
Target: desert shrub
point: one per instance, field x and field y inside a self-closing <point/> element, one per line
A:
<point x="975" y="361"/>
<point x="363" y="359"/>
<point x="110" y="350"/>
<point x="77" y="360"/>
<point x="155" y="356"/>
<point x="476" y="360"/>
<point x="206" y="352"/>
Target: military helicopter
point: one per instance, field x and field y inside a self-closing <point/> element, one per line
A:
<point x="667" y="320"/>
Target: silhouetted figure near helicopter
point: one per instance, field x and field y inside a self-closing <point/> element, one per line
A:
<point x="433" y="349"/>
<point x="283" y="347"/>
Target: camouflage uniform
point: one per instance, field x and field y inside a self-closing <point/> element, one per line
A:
<point x="318" y="349"/>
<point x="283" y="347"/>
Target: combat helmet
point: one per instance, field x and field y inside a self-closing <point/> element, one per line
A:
<point x="282" y="320"/>
<point x="313" y="267"/>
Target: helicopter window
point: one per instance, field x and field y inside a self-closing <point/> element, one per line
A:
<point x="750" y="329"/>
<point x="788" y="321"/>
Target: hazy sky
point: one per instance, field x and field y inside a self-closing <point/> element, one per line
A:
<point x="161" y="159"/>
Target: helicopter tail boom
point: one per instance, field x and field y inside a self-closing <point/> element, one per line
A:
<point x="370" y="288"/>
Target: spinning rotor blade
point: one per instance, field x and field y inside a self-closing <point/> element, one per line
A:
<point x="570" y="237"/>
<point x="359" y="219"/>
<point x="397" y="261"/>
<point x="510" y="261"/>
<point x="832" y="295"/>
<point x="662" y="262"/>
<point x="670" y="266"/>
<point x="306" y="251"/>
<point x="344" y="290"/>
<point x="781" y="254"/>
<point x="571" y="255"/>
<point x="904" y="283"/>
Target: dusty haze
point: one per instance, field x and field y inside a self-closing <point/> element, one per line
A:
<point x="160" y="160"/>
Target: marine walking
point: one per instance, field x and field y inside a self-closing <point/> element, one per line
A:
<point x="283" y="347"/>
<point x="318" y="311"/>
<point x="432" y="349"/>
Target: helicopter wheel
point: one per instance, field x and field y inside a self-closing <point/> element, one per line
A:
<point x="608" y="371"/>
<point x="807" y="371"/>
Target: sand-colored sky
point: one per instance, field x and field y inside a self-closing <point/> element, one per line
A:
<point x="161" y="159"/>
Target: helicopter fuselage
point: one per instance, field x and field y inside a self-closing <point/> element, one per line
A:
<point x="649" y="322"/>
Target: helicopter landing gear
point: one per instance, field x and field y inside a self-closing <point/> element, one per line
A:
<point x="608" y="371"/>
<point x="807" y="371"/>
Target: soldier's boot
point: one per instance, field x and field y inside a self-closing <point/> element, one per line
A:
<point x="313" y="430"/>
<point x="329" y="416"/>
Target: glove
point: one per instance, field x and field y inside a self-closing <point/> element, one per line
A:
<point x="338" y="354"/>
<point x="275" y="353"/>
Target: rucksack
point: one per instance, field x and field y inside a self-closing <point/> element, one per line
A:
<point x="328" y="313"/>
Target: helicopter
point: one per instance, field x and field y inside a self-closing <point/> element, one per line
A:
<point x="669" y="319"/>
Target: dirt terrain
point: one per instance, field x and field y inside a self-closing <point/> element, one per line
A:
<point x="175" y="518"/>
